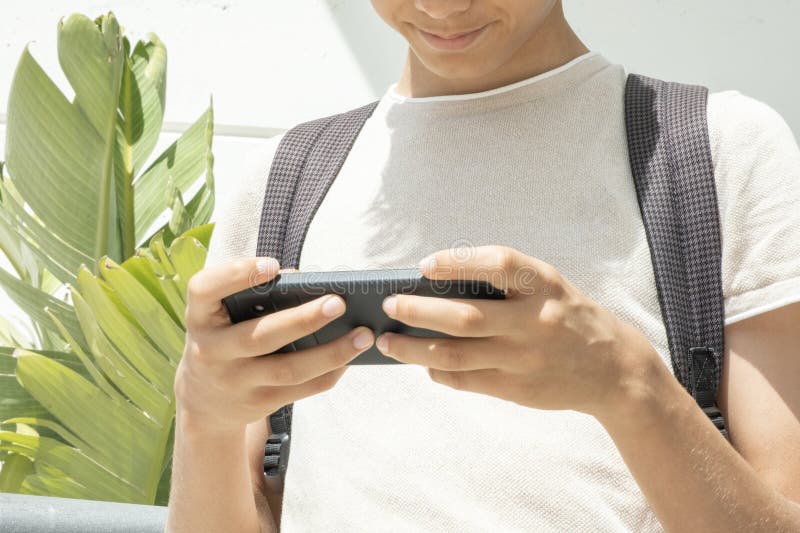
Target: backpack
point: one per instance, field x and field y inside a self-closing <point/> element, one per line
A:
<point x="670" y="157"/>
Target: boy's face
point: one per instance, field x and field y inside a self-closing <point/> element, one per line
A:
<point x="503" y="26"/>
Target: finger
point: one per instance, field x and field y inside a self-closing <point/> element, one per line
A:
<point x="489" y="381"/>
<point x="272" y="396"/>
<point x="294" y="368"/>
<point x="264" y="335"/>
<point x="462" y="317"/>
<point x="444" y="353"/>
<point x="504" y="267"/>
<point x="206" y="289"/>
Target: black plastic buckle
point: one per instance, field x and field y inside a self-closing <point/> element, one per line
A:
<point x="716" y="417"/>
<point x="702" y="363"/>
<point x="276" y="457"/>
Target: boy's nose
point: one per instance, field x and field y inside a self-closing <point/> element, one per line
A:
<point x="441" y="9"/>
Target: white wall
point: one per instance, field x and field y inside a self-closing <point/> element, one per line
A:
<point x="272" y="64"/>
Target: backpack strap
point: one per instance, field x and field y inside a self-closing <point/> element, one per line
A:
<point x="670" y="156"/>
<point x="307" y="160"/>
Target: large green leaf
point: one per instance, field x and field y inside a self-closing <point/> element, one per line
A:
<point x="119" y="369"/>
<point x="15" y="401"/>
<point x="61" y="259"/>
<point x="114" y="433"/>
<point x="75" y="202"/>
<point x="14" y="333"/>
<point x="91" y="55"/>
<point x="57" y="159"/>
<point x="35" y="303"/>
<point x="74" y="164"/>
<point x="148" y="273"/>
<point x="141" y="106"/>
<point x="15" y="468"/>
<point x="174" y="172"/>
<point x="146" y="309"/>
<point x="125" y="333"/>
<point x="141" y="102"/>
<point x="201" y="233"/>
<point x="114" y="421"/>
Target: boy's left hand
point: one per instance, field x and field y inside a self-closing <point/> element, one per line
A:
<point x="547" y="345"/>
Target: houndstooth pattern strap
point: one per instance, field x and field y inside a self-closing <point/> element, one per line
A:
<point x="307" y="160"/>
<point x="670" y="158"/>
<point x="323" y="164"/>
<point x="287" y="164"/>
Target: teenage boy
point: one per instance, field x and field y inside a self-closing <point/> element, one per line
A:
<point x="503" y="139"/>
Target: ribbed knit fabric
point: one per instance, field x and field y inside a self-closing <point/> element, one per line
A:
<point x="540" y="165"/>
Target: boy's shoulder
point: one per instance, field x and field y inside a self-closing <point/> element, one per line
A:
<point x="741" y="125"/>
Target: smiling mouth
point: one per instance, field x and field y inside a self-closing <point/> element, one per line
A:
<point x="454" y="41"/>
<point x="453" y="35"/>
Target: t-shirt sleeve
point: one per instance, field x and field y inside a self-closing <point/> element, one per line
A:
<point x="757" y="171"/>
<point x="239" y="201"/>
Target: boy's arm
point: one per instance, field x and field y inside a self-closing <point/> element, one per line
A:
<point x="268" y="502"/>
<point x="693" y="479"/>
<point x="212" y="488"/>
<point x="228" y="462"/>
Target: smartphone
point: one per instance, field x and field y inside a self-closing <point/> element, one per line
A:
<point x="363" y="292"/>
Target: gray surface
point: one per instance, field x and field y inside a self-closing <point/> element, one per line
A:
<point x="21" y="513"/>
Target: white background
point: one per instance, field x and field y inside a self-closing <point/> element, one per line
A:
<point x="271" y="64"/>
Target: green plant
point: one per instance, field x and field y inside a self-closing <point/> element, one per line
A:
<point x="111" y="407"/>
<point x="101" y="246"/>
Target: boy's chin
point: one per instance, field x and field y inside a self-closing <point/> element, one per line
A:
<point x="460" y="67"/>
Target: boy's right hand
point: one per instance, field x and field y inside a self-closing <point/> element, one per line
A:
<point x="224" y="380"/>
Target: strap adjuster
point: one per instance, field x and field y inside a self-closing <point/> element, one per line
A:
<point x="716" y="417"/>
<point x="702" y="363"/>
<point x="276" y="457"/>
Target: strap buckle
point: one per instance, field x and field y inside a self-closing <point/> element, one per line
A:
<point x="702" y="363"/>
<point x="276" y="457"/>
<point x="716" y="417"/>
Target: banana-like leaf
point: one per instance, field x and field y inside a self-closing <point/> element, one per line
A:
<point x="202" y="234"/>
<point x="11" y="243"/>
<point x="14" y="333"/>
<point x="59" y="154"/>
<point x="141" y="106"/>
<point x="125" y="333"/>
<point x="15" y="468"/>
<point x="75" y="202"/>
<point x="114" y="364"/>
<point x="171" y="175"/>
<point x="75" y="164"/>
<point x="34" y="301"/>
<point x="114" y="422"/>
<point x="163" y="332"/>
<point x="147" y="272"/>
<point x="15" y="401"/>
<point x="57" y="256"/>
<point x="142" y="102"/>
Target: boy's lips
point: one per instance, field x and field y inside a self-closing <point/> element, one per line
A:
<point x="455" y="42"/>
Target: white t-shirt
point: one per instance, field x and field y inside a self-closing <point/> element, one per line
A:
<point x="540" y="165"/>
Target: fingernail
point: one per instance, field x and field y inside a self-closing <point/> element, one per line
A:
<point x="333" y="306"/>
<point x="362" y="340"/>
<point x="390" y="304"/>
<point x="428" y="263"/>
<point x="382" y="343"/>
<point x="266" y="264"/>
